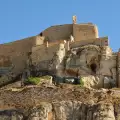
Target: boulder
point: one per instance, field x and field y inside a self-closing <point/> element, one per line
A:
<point x="90" y="81"/>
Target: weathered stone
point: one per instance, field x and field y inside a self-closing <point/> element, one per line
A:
<point x="11" y="115"/>
<point x="64" y="110"/>
<point x="41" y="112"/>
<point x="91" y="81"/>
<point x="75" y="47"/>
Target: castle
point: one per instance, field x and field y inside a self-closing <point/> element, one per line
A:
<point x="69" y="50"/>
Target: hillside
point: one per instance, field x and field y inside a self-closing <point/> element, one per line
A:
<point x="63" y="102"/>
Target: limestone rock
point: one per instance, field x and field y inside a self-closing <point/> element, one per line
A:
<point x="106" y="52"/>
<point x="64" y="110"/>
<point x="11" y="115"/>
<point x="42" y="112"/>
<point x="91" y="81"/>
<point x="104" y="112"/>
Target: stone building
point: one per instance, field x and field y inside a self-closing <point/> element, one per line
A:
<point x="69" y="50"/>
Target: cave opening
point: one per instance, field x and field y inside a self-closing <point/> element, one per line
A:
<point x="93" y="67"/>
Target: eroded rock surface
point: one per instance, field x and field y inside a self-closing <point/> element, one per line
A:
<point x="66" y="102"/>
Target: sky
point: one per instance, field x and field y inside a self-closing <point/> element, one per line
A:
<point x="24" y="18"/>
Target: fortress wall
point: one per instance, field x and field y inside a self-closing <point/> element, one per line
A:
<point x="5" y="61"/>
<point x="17" y="51"/>
<point x="97" y="41"/>
<point x="42" y="53"/>
<point x="14" y="48"/>
<point x="39" y="40"/>
<point x="84" y="31"/>
<point x="58" y="32"/>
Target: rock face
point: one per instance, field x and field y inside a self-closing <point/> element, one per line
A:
<point x="93" y="64"/>
<point x="11" y="115"/>
<point x="91" y="81"/>
<point x="64" y="110"/>
<point x="64" y="103"/>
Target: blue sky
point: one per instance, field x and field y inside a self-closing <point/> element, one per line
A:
<point x="23" y="18"/>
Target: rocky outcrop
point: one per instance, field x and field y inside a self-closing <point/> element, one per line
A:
<point x="66" y="102"/>
<point x="64" y="110"/>
<point x="92" y="62"/>
<point x="91" y="81"/>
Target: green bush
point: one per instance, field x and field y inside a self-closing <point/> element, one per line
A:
<point x="81" y="82"/>
<point x="33" y="80"/>
<point x="36" y="80"/>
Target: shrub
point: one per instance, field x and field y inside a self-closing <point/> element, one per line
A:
<point x="81" y="82"/>
<point x="36" y="80"/>
<point x="33" y="80"/>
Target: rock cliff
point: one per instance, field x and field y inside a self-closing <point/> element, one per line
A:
<point x="64" y="102"/>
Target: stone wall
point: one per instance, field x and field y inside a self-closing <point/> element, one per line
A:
<point x="58" y="32"/>
<point x="39" y="40"/>
<point x="84" y="31"/>
<point x="5" y="61"/>
<point x="79" y="31"/>
<point x="42" y="53"/>
<point x="97" y="41"/>
<point x="17" y="51"/>
<point x="84" y="34"/>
